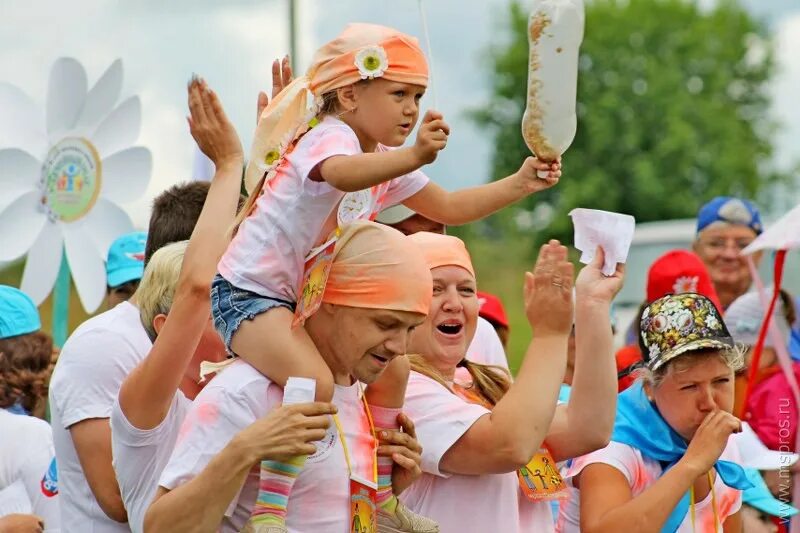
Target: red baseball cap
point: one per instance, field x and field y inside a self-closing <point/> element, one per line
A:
<point x="679" y="272"/>
<point x="492" y="309"/>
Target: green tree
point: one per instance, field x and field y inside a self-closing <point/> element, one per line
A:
<point x="672" y="110"/>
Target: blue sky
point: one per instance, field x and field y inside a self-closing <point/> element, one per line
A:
<point x="232" y="43"/>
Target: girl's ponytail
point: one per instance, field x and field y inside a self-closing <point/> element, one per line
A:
<point x="490" y="382"/>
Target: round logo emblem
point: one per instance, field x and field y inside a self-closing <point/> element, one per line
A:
<point x="71" y="179"/>
<point x="354" y="205"/>
<point x="325" y="445"/>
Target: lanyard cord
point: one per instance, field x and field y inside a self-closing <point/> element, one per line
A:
<point x="713" y="502"/>
<point x="340" y="431"/>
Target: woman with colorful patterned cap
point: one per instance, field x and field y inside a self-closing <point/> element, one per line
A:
<point x="670" y="466"/>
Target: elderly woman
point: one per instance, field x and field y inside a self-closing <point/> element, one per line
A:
<point x="670" y="465"/>
<point x="490" y="448"/>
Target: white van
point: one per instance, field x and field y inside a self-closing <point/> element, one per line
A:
<point x="651" y="240"/>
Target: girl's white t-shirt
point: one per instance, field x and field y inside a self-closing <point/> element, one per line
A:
<point x="642" y="472"/>
<point x="489" y="502"/>
<point x="294" y="214"/>
<point x="239" y="396"/>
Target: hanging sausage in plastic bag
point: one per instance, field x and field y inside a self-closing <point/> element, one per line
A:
<point x="555" y="32"/>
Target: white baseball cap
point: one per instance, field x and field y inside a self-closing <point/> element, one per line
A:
<point x="754" y="454"/>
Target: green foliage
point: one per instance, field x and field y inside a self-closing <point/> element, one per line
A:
<point x="672" y="110"/>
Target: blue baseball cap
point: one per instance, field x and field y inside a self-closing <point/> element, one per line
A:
<point x="126" y="259"/>
<point x="761" y="498"/>
<point x="731" y="211"/>
<point x="18" y="313"/>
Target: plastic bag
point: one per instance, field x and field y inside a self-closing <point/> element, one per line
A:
<point x="555" y="32"/>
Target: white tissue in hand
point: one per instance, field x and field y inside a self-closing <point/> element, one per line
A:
<point x="613" y="232"/>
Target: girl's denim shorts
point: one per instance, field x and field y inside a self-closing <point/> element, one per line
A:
<point x="231" y="305"/>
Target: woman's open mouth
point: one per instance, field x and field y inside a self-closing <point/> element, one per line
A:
<point x="451" y="328"/>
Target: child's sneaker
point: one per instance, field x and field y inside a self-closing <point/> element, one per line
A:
<point x="404" y="521"/>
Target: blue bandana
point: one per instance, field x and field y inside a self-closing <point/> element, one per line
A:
<point x="640" y="425"/>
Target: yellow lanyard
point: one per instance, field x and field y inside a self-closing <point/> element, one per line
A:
<point x="340" y="431"/>
<point x="713" y="502"/>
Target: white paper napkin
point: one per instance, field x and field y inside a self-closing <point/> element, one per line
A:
<point x="613" y="232"/>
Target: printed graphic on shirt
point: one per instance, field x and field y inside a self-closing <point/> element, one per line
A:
<point x="49" y="482"/>
<point x="324" y="446"/>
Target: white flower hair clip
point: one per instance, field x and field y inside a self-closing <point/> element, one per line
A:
<point x="371" y="62"/>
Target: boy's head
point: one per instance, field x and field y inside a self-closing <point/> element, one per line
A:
<point x="174" y="215"/>
<point x="124" y="266"/>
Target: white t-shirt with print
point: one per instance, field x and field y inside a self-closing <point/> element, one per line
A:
<point x="294" y="213"/>
<point x="489" y="502"/>
<point x="92" y="365"/>
<point x="140" y="456"/>
<point x="28" y="481"/>
<point x="239" y="396"/>
<point x="642" y="472"/>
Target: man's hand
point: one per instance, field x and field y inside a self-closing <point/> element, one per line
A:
<point x="211" y="128"/>
<point x="404" y="448"/>
<point x="287" y="431"/>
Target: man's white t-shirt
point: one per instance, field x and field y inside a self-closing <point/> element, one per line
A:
<point x="642" y="472"/>
<point x="140" y="456"/>
<point x="92" y="365"/>
<point x="28" y="479"/>
<point x="295" y="213"/>
<point x="489" y="502"/>
<point x="239" y="396"/>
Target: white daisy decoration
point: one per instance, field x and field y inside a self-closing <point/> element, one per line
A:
<point x="371" y="62"/>
<point x="70" y="167"/>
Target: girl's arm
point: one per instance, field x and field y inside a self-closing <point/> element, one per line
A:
<point x="733" y="524"/>
<point x="475" y="203"/>
<point x="509" y="436"/>
<point x="148" y="391"/>
<point x="350" y="173"/>
<point x="585" y="423"/>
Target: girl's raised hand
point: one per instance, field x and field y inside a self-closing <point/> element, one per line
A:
<point x="548" y="292"/>
<point x="529" y="178"/>
<point x="592" y="284"/>
<point x="431" y="137"/>
<point x="211" y="128"/>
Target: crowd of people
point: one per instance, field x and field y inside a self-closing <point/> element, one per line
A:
<point x="316" y="356"/>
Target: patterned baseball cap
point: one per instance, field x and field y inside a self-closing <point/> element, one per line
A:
<point x="680" y="323"/>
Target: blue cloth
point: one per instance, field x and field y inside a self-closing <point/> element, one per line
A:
<point x="125" y="260"/>
<point x="640" y="425"/>
<point x="730" y="210"/>
<point x="17" y="409"/>
<point x="563" y="393"/>
<point x="18" y="313"/>
<point x="761" y="498"/>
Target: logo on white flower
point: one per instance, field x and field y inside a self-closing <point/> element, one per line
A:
<point x="371" y="62"/>
<point x="685" y="284"/>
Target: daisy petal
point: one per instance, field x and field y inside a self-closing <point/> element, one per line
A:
<point x="20" y="171"/>
<point x="120" y="129"/>
<point x="102" y="97"/>
<point x="21" y="223"/>
<point x="104" y="223"/>
<point x="44" y="260"/>
<point x="65" y="96"/>
<point x="86" y="266"/>
<point x="21" y="121"/>
<point x="126" y="174"/>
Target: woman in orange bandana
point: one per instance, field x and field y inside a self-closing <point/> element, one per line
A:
<point x="490" y="447"/>
<point x="327" y="151"/>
